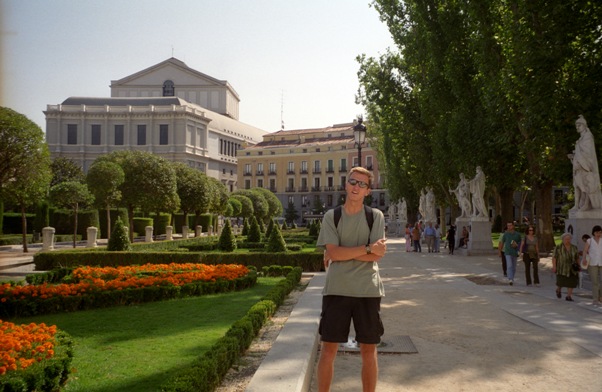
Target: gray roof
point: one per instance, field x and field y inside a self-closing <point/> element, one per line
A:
<point x="136" y="101"/>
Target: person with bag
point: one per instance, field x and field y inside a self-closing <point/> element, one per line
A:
<point x="530" y="251"/>
<point x="592" y="260"/>
<point x="566" y="267"/>
<point x="510" y="245"/>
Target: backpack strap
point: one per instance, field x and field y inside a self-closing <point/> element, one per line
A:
<point x="369" y="218"/>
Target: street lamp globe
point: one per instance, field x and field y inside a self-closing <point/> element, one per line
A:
<point x="359" y="135"/>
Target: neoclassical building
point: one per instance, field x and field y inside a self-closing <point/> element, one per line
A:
<point x="308" y="167"/>
<point x="168" y="109"/>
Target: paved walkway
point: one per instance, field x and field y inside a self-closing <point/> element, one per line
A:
<point x="469" y="337"/>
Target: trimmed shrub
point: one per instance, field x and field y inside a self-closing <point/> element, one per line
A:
<point x="245" y="227"/>
<point x="254" y="232"/>
<point x="120" y="240"/>
<point x="227" y="242"/>
<point x="160" y="223"/>
<point x="140" y="225"/>
<point x="115" y="213"/>
<point x="276" y="242"/>
<point x="269" y="229"/>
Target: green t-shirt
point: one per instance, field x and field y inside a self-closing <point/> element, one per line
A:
<point x="507" y="239"/>
<point x="352" y="278"/>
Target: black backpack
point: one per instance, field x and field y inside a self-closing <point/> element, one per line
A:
<point x="369" y="217"/>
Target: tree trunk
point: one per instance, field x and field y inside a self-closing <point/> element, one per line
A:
<point x="131" y="223"/>
<point x="24" y="229"/>
<point x="543" y="201"/>
<point x="507" y="204"/>
<point x="75" y="228"/>
<point x="108" y="222"/>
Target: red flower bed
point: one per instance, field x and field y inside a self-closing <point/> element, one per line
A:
<point x="22" y="346"/>
<point x="93" y="279"/>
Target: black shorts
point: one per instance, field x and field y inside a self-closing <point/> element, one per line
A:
<point x="337" y="313"/>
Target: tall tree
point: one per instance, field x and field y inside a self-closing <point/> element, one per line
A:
<point x="193" y="189"/>
<point x="149" y="185"/>
<point x="64" y="169"/>
<point x="71" y="195"/>
<point x="104" y="179"/>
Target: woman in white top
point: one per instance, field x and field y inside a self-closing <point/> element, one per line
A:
<point x="593" y="249"/>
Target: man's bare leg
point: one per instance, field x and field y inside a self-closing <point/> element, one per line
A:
<point x="369" y="366"/>
<point x="328" y="354"/>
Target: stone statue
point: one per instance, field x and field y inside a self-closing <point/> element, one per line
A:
<point x="391" y="212"/>
<point x="463" y="195"/>
<point x="586" y="177"/>
<point x="477" y="189"/>
<point x="402" y="211"/>
<point x="431" y="211"/>
<point x="422" y="204"/>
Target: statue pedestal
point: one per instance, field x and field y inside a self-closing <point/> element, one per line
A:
<point x="392" y="228"/>
<point x="460" y="223"/>
<point x="480" y="237"/>
<point x="401" y="229"/>
<point x="579" y="226"/>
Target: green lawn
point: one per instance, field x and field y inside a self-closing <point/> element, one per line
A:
<point x="137" y="348"/>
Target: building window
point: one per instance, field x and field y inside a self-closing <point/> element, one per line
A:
<point x="369" y="162"/>
<point x="272" y="184"/>
<point x="247" y="184"/>
<point x="168" y="89"/>
<point x="142" y="135"/>
<point x="95" y="136"/>
<point x="272" y="168"/>
<point x="343" y="165"/>
<point x="291" y="168"/>
<point x="71" y="133"/>
<point x="163" y="134"/>
<point x="247" y="169"/>
<point x="303" y="166"/>
<point x="260" y="169"/>
<point x="304" y="201"/>
<point x="329" y="200"/>
<point x="259" y="183"/>
<point x="291" y="200"/>
<point x="119" y="135"/>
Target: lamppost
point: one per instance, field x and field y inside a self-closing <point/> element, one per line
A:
<point x="359" y="134"/>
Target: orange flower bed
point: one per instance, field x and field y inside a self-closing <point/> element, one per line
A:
<point x="90" y="279"/>
<point x="22" y="346"/>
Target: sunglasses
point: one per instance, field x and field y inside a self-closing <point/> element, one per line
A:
<point x="354" y="182"/>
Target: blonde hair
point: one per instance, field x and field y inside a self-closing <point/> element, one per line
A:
<point x="364" y="171"/>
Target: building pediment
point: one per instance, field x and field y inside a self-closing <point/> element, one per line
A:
<point x="174" y="70"/>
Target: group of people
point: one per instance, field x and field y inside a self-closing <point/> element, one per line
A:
<point x="567" y="261"/>
<point x="431" y="234"/>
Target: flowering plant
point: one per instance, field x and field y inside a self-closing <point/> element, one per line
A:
<point x="85" y="280"/>
<point x="22" y="346"/>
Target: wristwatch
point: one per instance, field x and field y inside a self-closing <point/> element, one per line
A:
<point x="368" y="249"/>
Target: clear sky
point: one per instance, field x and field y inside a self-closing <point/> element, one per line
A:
<point x="295" y="54"/>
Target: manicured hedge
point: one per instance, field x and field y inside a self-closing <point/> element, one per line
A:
<point x="46" y="261"/>
<point x="206" y="374"/>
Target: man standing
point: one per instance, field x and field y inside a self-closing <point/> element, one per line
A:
<point x="353" y="287"/>
<point x="429" y="233"/>
<point x="510" y="244"/>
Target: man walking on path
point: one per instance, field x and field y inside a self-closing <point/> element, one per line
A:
<point x="510" y="244"/>
<point x="353" y="287"/>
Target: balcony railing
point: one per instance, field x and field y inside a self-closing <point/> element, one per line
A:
<point x="330" y="170"/>
<point x="343" y="169"/>
<point x="272" y="172"/>
<point x="247" y="174"/>
<point x="259" y="172"/>
<point x="317" y="170"/>
<point x="316" y="188"/>
<point x="304" y="189"/>
<point x="289" y="171"/>
<point x="290" y="189"/>
<point x="303" y="171"/>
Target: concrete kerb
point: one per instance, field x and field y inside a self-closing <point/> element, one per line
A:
<point x="288" y="366"/>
